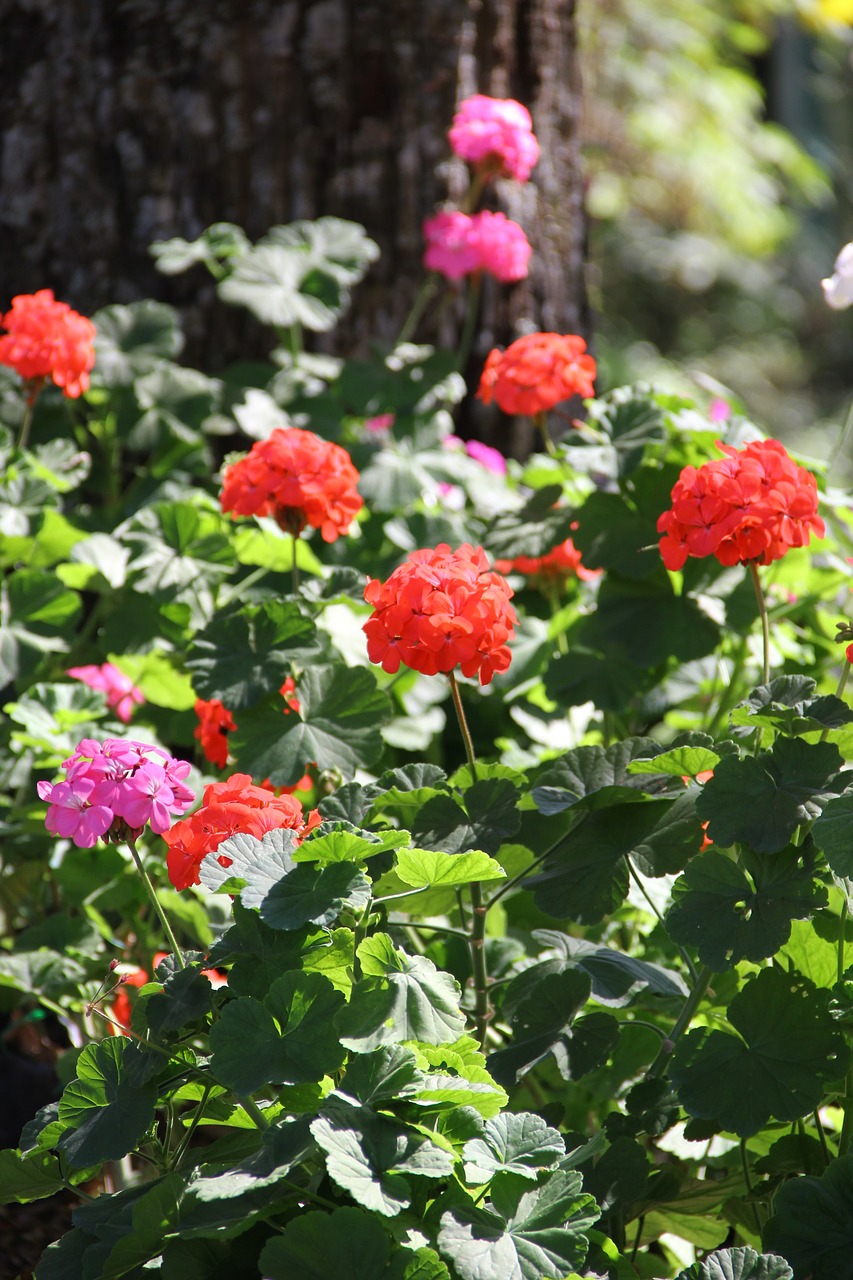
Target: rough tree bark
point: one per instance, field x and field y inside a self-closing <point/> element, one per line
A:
<point x="126" y="121"/>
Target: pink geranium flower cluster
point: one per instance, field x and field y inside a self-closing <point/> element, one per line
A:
<point x="495" y="135"/>
<point x="118" y="689"/>
<point x="458" y="244"/>
<point x="113" y="789"/>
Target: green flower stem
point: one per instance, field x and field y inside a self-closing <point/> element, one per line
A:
<point x="744" y="1164"/>
<point x="249" y="581"/>
<point x="632" y="872"/>
<point x="822" y="1138"/>
<point x="540" y="421"/>
<point x="765" y="622"/>
<point x="419" y="306"/>
<point x="841" y="925"/>
<point x="479" y="909"/>
<point x="155" y="902"/>
<point x="729" y="695"/>
<point x="185" y="1141"/>
<point x="841" y="443"/>
<point x="691" y="1004"/>
<point x="254" y="1113"/>
<point x="294" y="568"/>
<point x="847" y="1122"/>
<point x="472" y="311"/>
<point x="32" y="396"/>
<point x="842" y="685"/>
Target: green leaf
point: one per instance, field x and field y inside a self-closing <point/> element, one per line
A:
<point x="544" y="1023"/>
<point x="335" y="246"/>
<point x="732" y="913"/>
<point x="287" y="894"/>
<point x="786" y="1047"/>
<point x="812" y="1223"/>
<point x="339" y="726"/>
<point x="264" y="544"/>
<point x="520" y="1143"/>
<point x="620" y="1177"/>
<point x="421" y="867"/>
<point x="281" y="287"/>
<point x="134" y="339"/>
<point x="681" y="762"/>
<point x="786" y="705"/>
<point x="531" y="1234"/>
<point x="761" y="800"/>
<point x="385" y="1074"/>
<point x="289" y="1039"/>
<point x="347" y="1244"/>
<point x="400" y="997"/>
<point x="158" y="676"/>
<point x="373" y="1158"/>
<point x="177" y="548"/>
<point x="28" y="1177"/>
<point x="488" y="818"/>
<point x="616" y="978"/>
<point x="221" y="241"/>
<point x="832" y="833"/>
<point x="106" y="1116"/>
<point x="533" y="530"/>
<point x="739" y="1264"/>
<point x="242" y="657"/>
<point x="596" y="776"/>
<point x="186" y="997"/>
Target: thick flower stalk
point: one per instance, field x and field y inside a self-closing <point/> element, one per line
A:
<point x="299" y="480"/>
<point x="112" y="790"/>
<point x="439" y="610"/>
<point x="536" y="372"/>
<point x="46" y="339"/>
<point x="459" y="244"/>
<point x="495" y="135"/>
<point x="119" y="690"/>
<point x="227" y="809"/>
<point x="748" y="507"/>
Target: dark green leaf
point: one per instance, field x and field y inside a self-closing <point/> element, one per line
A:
<point x="738" y="1264"/>
<point x="347" y="1244"/>
<point x="596" y="776"/>
<point x="786" y="1047"/>
<point x="339" y="726"/>
<point x="761" y="800"/>
<point x="134" y="339"/>
<point x="812" y="1223"/>
<point x="533" y="530"/>
<point x="106" y="1116"/>
<point x="730" y="916"/>
<point x="488" y="818"/>
<point x="242" y="657"/>
<point x="289" y="1039"/>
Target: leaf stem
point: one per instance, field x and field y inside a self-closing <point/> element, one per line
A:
<point x="472" y="309"/>
<point x="635" y="876"/>
<point x="822" y="1136"/>
<point x="155" y="902"/>
<point x="294" y="568"/>
<point x="683" y="1021"/>
<point x="422" y="299"/>
<point x="254" y="1112"/>
<point x="477" y="938"/>
<point x="765" y="622"/>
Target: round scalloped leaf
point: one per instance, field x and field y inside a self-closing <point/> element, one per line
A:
<point x="812" y="1223"/>
<point x="347" y="1244"/>
<point x="738" y="1264"/>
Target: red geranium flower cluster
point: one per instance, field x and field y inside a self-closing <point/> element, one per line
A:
<point x="439" y="610"/>
<point x="751" y="505"/>
<point x="298" y="479"/>
<point x="563" y="561"/>
<point x="227" y="809"/>
<point x="536" y="372"/>
<point x="216" y="722"/>
<point x="46" y="339"/>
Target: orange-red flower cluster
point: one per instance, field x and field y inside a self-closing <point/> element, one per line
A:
<point x="536" y="372"/>
<point x="46" y="339"/>
<point x="215" y="723"/>
<point x="439" y="610"/>
<point x="229" y="808"/>
<point x="751" y="505"/>
<point x="298" y="479"/>
<point x="562" y="562"/>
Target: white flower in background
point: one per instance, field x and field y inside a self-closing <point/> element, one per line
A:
<point x="838" y="289"/>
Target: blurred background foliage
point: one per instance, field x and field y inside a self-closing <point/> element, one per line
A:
<point x="719" y="155"/>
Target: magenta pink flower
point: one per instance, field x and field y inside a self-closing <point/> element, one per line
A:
<point x="458" y="245"/>
<point x="112" y="789"/>
<point x="496" y="135"/>
<point x="120" y="691"/>
<point x="504" y="248"/>
<point x="719" y="410"/>
<point x="451" y="247"/>
<point x="492" y="459"/>
<point x="382" y="422"/>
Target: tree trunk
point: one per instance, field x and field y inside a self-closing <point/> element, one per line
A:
<point x="128" y="121"/>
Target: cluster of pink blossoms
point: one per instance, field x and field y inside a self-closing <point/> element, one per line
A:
<point x="118" y="689"/>
<point x="495" y="135"/>
<point x="113" y="789"/>
<point x="459" y="244"/>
